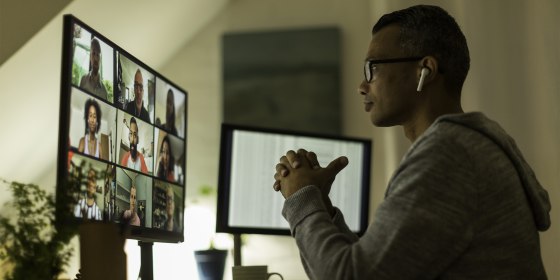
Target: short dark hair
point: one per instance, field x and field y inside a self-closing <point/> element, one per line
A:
<point x="94" y="44"/>
<point x="133" y="121"/>
<point x="430" y="30"/>
<point x="92" y="102"/>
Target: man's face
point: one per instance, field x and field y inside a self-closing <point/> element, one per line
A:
<point x="133" y="200"/>
<point x="138" y="89"/>
<point x="94" y="56"/>
<point x="390" y="96"/>
<point x="133" y="138"/>
<point x="92" y="180"/>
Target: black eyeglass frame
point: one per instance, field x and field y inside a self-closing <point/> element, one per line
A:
<point x="368" y="65"/>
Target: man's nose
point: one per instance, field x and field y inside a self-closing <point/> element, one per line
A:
<point x="363" y="88"/>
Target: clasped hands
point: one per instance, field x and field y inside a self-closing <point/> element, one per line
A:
<point x="297" y="170"/>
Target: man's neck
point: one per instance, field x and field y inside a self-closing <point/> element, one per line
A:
<point x="424" y="119"/>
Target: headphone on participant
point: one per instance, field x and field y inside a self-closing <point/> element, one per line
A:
<point x="423" y="73"/>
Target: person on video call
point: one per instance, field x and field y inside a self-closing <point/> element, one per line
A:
<point x="133" y="158"/>
<point x="169" y="124"/>
<point x="91" y="81"/>
<point x="90" y="144"/>
<point x="463" y="204"/>
<point x="170" y="223"/>
<point x="87" y="207"/>
<point x="136" y="106"/>
<point x="166" y="162"/>
<point x="109" y="189"/>
<point x="131" y="215"/>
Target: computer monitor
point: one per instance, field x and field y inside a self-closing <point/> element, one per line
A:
<point x="248" y="157"/>
<point x="122" y="139"/>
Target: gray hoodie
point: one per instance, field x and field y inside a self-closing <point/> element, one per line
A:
<point x="463" y="204"/>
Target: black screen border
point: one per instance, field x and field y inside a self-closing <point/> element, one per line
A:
<point x="224" y="175"/>
<point x="132" y="232"/>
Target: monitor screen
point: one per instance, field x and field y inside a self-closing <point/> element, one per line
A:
<point x="122" y="139"/>
<point x="248" y="157"/>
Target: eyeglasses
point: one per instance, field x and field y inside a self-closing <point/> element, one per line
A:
<point x="138" y="86"/>
<point x="369" y="65"/>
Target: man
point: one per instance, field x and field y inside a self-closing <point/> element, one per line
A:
<point x="133" y="158"/>
<point x="87" y="207"/>
<point x="91" y="81"/>
<point x="170" y="223"/>
<point x="463" y="204"/>
<point x="136" y="106"/>
<point x="131" y="215"/>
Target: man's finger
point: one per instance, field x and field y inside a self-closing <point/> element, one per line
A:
<point x="312" y="158"/>
<point x="302" y="157"/>
<point x="293" y="159"/>
<point x="282" y="169"/>
<point x="276" y="186"/>
<point x="337" y="165"/>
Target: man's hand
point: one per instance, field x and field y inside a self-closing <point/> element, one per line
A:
<point x="297" y="170"/>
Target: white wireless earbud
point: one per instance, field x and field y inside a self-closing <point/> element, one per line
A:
<point x="425" y="71"/>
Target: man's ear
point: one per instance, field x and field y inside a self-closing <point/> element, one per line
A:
<point x="426" y="71"/>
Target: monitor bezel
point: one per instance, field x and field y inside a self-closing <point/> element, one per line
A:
<point x="63" y="219"/>
<point x="224" y="175"/>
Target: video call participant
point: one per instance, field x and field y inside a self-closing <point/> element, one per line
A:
<point x="92" y="81"/>
<point x="136" y="106"/>
<point x="169" y="124"/>
<point x="166" y="162"/>
<point x="87" y="207"/>
<point x="170" y="223"/>
<point x="109" y="193"/>
<point x="133" y="158"/>
<point x="462" y="204"/>
<point x="131" y="215"/>
<point x="90" y="144"/>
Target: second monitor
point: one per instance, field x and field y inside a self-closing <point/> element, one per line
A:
<point x="248" y="156"/>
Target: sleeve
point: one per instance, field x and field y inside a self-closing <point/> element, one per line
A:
<point x="421" y="227"/>
<point x="124" y="160"/>
<point x="340" y="224"/>
<point x="143" y="165"/>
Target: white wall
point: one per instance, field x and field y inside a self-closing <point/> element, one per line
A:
<point x="515" y="57"/>
<point x="198" y="69"/>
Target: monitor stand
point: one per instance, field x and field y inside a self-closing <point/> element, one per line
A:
<point x="146" y="260"/>
<point x="236" y="249"/>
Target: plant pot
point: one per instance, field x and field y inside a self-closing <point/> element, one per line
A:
<point x="211" y="264"/>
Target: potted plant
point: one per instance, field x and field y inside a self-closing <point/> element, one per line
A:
<point x="210" y="262"/>
<point x="31" y="245"/>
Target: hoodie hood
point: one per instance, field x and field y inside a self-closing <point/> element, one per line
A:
<point x="536" y="194"/>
